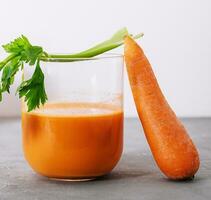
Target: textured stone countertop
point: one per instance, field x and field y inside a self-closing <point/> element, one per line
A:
<point x="136" y="176"/>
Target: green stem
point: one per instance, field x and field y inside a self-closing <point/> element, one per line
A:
<point x="88" y="53"/>
<point x="91" y="52"/>
<point x="62" y="59"/>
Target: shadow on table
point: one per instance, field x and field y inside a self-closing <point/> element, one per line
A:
<point x="132" y="167"/>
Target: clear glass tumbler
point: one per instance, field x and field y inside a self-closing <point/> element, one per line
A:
<point x="78" y="133"/>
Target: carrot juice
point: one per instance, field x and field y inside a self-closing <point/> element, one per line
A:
<point x="73" y="140"/>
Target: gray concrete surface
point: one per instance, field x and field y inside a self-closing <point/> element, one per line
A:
<point x="136" y="176"/>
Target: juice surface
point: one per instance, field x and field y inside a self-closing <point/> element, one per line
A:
<point x="73" y="140"/>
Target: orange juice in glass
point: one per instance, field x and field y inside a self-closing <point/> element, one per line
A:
<point x="78" y="133"/>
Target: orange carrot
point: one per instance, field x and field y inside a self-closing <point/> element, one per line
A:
<point x="171" y="146"/>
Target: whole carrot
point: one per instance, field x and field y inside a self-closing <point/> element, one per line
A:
<point x="171" y="146"/>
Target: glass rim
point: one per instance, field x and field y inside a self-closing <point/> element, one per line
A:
<point x="99" y="57"/>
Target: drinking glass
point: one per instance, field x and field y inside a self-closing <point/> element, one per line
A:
<point x="78" y="133"/>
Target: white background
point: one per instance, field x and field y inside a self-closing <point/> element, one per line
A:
<point x="177" y="40"/>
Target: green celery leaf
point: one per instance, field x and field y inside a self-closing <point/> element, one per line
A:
<point x="18" y="45"/>
<point x="22" y="47"/>
<point x="33" y="90"/>
<point x="8" y="74"/>
<point x="32" y="53"/>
